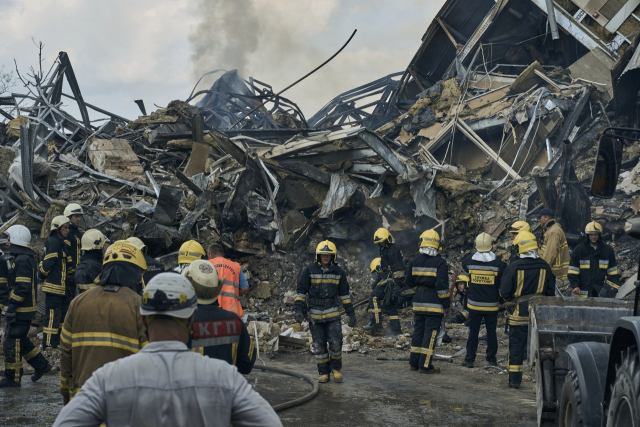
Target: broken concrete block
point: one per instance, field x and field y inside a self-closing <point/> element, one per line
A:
<point x="116" y="158"/>
<point x="354" y="346"/>
<point x="289" y="297"/>
<point x="262" y="290"/>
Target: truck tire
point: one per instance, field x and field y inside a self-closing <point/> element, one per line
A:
<point x="570" y="402"/>
<point x="624" y="407"/>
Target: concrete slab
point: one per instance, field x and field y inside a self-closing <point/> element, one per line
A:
<point x="116" y="158"/>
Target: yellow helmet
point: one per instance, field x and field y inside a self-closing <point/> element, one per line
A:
<point x="593" y="228"/>
<point x="525" y="241"/>
<point x="123" y="251"/>
<point x="430" y="239"/>
<point x="381" y="235"/>
<point x="376" y="265"/>
<point x="204" y="279"/>
<point x="483" y="242"/>
<point x="138" y="244"/>
<point x="58" y="222"/>
<point x="326" y="248"/>
<point x="463" y="277"/>
<point x="93" y="239"/>
<point x="73" y="209"/>
<point x="190" y="251"/>
<point x="519" y="226"/>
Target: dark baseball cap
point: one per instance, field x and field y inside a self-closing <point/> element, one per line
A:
<point x="546" y="211"/>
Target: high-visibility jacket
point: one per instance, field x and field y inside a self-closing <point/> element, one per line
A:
<point x="53" y="267"/>
<point x="555" y="249"/>
<point x="229" y="275"/>
<point x="429" y="274"/>
<point x="594" y="271"/>
<point x="484" y="287"/>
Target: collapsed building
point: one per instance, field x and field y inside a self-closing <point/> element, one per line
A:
<point x="497" y="115"/>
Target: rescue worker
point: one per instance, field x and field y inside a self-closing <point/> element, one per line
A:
<point x="104" y="323"/>
<point x="461" y="290"/>
<point x="22" y="304"/>
<point x="233" y="280"/>
<point x="154" y="267"/>
<point x="554" y="248"/>
<point x="217" y="333"/>
<point x="53" y="272"/>
<point x="528" y="276"/>
<point x="326" y="284"/>
<point x="392" y="264"/>
<point x="515" y="228"/>
<point x="165" y="384"/>
<point x="74" y="212"/>
<point x="189" y="252"/>
<point x="376" y="297"/>
<point x="429" y="274"/>
<point x="483" y="298"/>
<point x="90" y="266"/>
<point x="593" y="270"/>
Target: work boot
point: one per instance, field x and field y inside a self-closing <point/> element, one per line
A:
<point x="323" y="378"/>
<point x="467" y="364"/>
<point x="514" y="385"/>
<point x="337" y="376"/>
<point x="392" y="331"/>
<point x="493" y="363"/>
<point x="430" y="370"/>
<point x="372" y="328"/>
<point x="6" y="382"/>
<point x="413" y="368"/>
<point x="39" y="373"/>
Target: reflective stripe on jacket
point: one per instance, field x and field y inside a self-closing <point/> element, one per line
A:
<point x="555" y="249"/>
<point x="484" y="286"/>
<point x="594" y="269"/>
<point x="430" y="275"/>
<point x="229" y="275"/>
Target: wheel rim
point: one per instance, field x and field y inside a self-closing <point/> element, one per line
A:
<point x="568" y="414"/>
<point x="623" y="415"/>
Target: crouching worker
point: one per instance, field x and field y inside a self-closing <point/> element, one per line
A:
<point x="217" y="333"/>
<point x="166" y="383"/>
<point x="326" y="284"/>
<point x="461" y="290"/>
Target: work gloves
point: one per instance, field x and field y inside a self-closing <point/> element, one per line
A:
<point x="299" y="318"/>
<point x="10" y="315"/>
<point x="352" y="321"/>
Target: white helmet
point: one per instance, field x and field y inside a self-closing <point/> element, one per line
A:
<point x="204" y="278"/>
<point x="138" y="244"/>
<point x="93" y="239"/>
<point x="169" y="294"/>
<point x="58" y="222"/>
<point x="19" y="235"/>
<point x="73" y="209"/>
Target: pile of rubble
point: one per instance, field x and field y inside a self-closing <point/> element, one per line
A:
<point x="498" y="114"/>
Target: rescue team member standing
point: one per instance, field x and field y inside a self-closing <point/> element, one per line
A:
<point x="22" y="303"/>
<point x="154" y="267"/>
<point x="376" y="297"/>
<point x="74" y="212"/>
<point x="483" y="301"/>
<point x="326" y="284"/>
<point x="528" y="276"/>
<point x="593" y="270"/>
<point x="103" y="324"/>
<point x="217" y="333"/>
<point x="189" y="252"/>
<point x="393" y="266"/>
<point x="53" y="270"/>
<point x="461" y="290"/>
<point x="166" y="384"/>
<point x="516" y="228"/>
<point x="429" y="274"/>
<point x="554" y="248"/>
<point x="90" y="266"/>
<point x="233" y="281"/>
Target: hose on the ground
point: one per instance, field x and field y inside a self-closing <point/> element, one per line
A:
<point x="290" y="404"/>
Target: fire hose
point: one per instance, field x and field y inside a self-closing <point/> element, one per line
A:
<point x="290" y="404"/>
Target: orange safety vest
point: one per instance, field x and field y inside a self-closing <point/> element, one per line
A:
<point x="229" y="275"/>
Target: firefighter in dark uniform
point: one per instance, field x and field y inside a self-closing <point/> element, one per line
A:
<point x="377" y="296"/>
<point x="516" y="228"/>
<point x="326" y="284"/>
<point x="429" y="274"/>
<point x="217" y="333"/>
<point x="483" y="298"/>
<point x="22" y="305"/>
<point x="528" y="276"/>
<point x="53" y="271"/>
<point x="461" y="290"/>
<point x="393" y="267"/>
<point x="74" y="212"/>
<point x="153" y="267"/>
<point x="90" y="267"/>
<point x="593" y="270"/>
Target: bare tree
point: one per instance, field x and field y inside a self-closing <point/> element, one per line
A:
<point x="7" y="80"/>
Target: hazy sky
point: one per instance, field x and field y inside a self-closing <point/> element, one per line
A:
<point x="156" y="50"/>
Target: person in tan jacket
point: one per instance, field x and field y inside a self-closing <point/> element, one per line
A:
<point x="554" y="248"/>
<point x="103" y="324"/>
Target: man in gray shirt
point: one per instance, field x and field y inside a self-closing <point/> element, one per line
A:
<point x="166" y="383"/>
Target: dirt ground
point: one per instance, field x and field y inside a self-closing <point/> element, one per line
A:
<point x="374" y="392"/>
